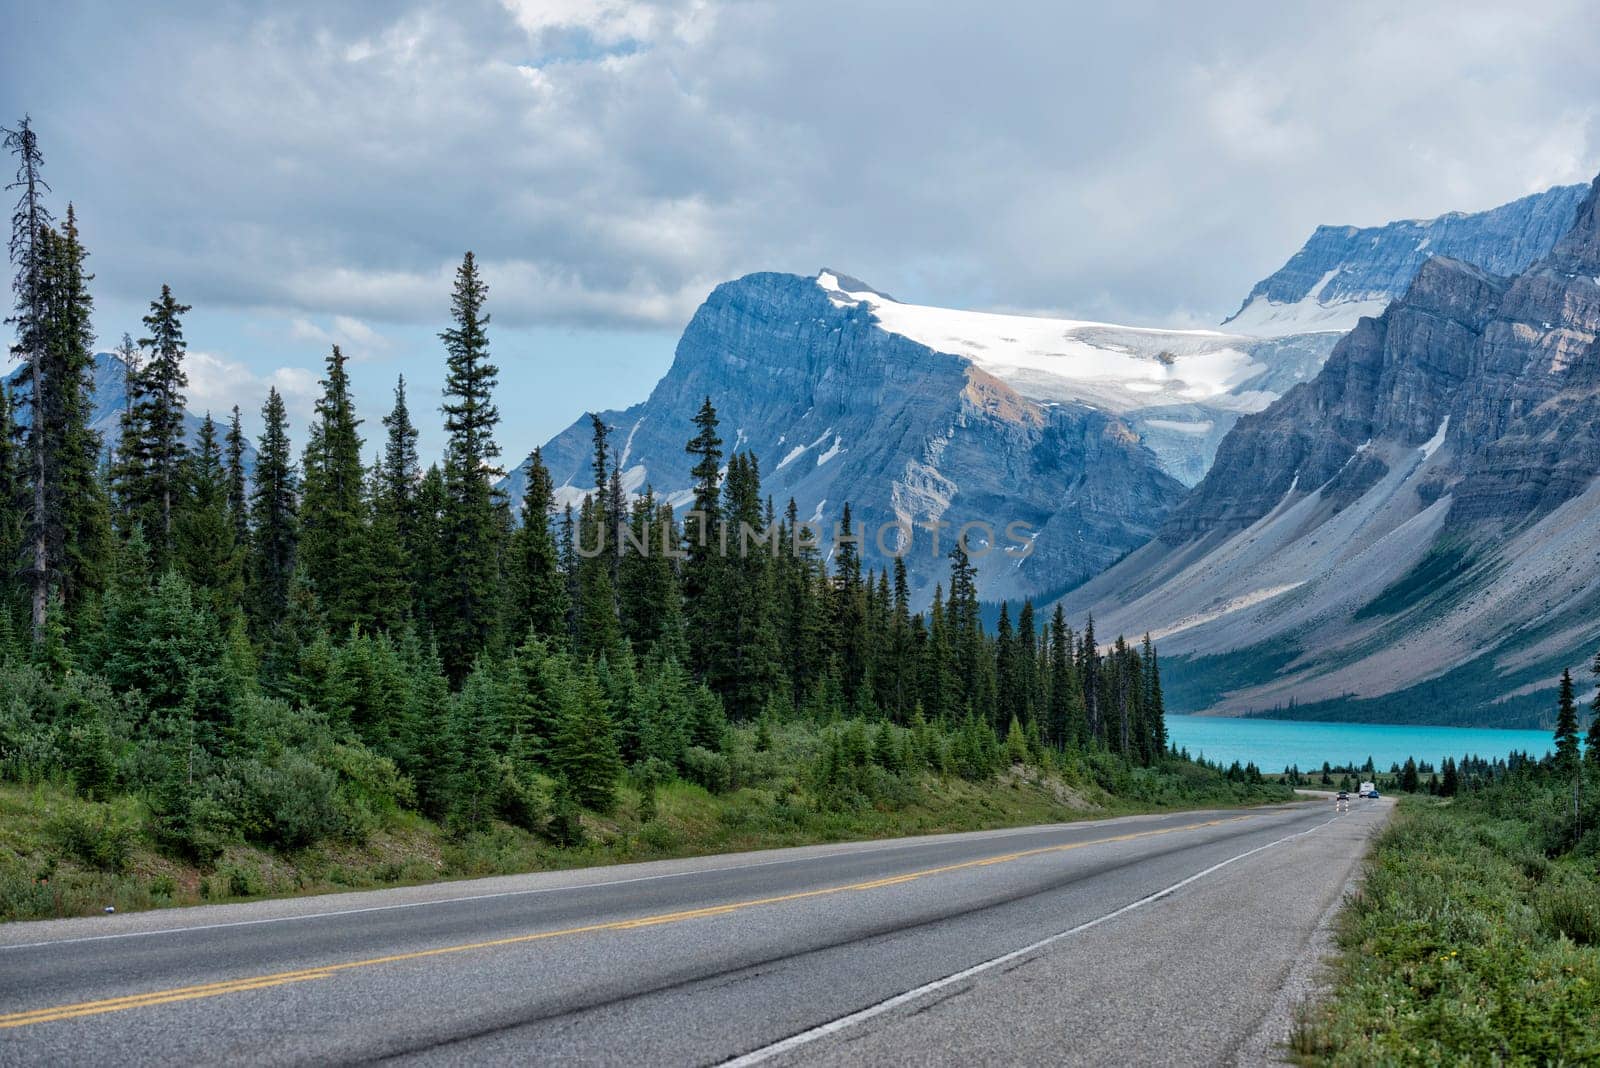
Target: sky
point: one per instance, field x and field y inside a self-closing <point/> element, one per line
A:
<point x="305" y="174"/>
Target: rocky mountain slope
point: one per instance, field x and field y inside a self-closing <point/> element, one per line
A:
<point x="1081" y="431"/>
<point x="839" y="409"/>
<point x="1412" y="535"/>
<point x="1345" y="272"/>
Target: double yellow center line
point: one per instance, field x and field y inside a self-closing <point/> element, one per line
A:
<point x="262" y="982"/>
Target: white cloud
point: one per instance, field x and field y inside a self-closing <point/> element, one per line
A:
<point x="355" y="338"/>
<point x="216" y="383"/>
<point x="609" y="161"/>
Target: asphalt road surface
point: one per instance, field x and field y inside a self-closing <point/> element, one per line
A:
<point x="1145" y="940"/>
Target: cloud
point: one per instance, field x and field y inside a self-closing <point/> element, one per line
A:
<point x="216" y="383"/>
<point x="355" y="338"/>
<point x="610" y="161"/>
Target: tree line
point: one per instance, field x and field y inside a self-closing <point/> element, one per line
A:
<point x="271" y="648"/>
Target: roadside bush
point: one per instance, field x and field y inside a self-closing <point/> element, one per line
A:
<point x="707" y="769"/>
<point x="97" y="835"/>
<point x="290" y="805"/>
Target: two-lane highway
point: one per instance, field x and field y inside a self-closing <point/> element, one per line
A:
<point x="1037" y="945"/>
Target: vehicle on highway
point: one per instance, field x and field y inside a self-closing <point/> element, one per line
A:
<point x="1344" y="795"/>
<point x="1368" y="789"/>
<point x="1374" y="794"/>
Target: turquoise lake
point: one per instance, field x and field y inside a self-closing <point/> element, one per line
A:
<point x="1274" y="744"/>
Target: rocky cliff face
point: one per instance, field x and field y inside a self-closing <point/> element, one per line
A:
<point x="839" y="410"/>
<point x="1345" y="272"/>
<point x="1411" y="535"/>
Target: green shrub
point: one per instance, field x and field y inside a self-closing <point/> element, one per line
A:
<point x="707" y="769"/>
<point x="1570" y="907"/>
<point x="97" y="835"/>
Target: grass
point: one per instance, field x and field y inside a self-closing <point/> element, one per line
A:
<point x="1470" y="942"/>
<point x="63" y="856"/>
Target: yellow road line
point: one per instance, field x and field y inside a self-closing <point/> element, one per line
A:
<point x="325" y="971"/>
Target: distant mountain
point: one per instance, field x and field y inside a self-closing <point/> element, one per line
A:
<point x="110" y="397"/>
<point x="1084" y="432"/>
<point x="840" y="408"/>
<point x="1411" y="536"/>
<point x="1345" y="272"/>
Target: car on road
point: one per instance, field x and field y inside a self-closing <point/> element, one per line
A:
<point x="1344" y="795"/>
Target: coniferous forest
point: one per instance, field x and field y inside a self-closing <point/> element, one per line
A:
<point x="300" y="645"/>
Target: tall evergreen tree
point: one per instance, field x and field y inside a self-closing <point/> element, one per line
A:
<point x="332" y="533"/>
<point x="1567" y="751"/>
<point x="77" y="519"/>
<point x="538" y="598"/>
<point x="274" y="516"/>
<point x="1089" y="681"/>
<point x="29" y="222"/>
<point x="238" y="485"/>
<point x="150" y="472"/>
<point x="204" y="548"/>
<point x="702" y="530"/>
<point x="470" y="527"/>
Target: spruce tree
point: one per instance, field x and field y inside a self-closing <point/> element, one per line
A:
<point x="238" y="492"/>
<point x="470" y="529"/>
<point x="538" y="594"/>
<point x="77" y="518"/>
<point x="332" y="534"/>
<point x="1567" y="751"/>
<point x="274" y="517"/>
<point x="149" y="476"/>
<point x="584" y="752"/>
<point x="1154" y="703"/>
<point x="29" y="223"/>
<point x="702" y="528"/>
<point x="204" y="548"/>
<point x="395" y="549"/>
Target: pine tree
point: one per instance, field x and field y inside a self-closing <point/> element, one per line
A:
<point x="401" y="562"/>
<point x="1154" y="702"/>
<point x="1089" y="681"/>
<point x="274" y="515"/>
<point x="77" y="518"/>
<point x="538" y="597"/>
<point x="1065" y="720"/>
<point x="598" y="633"/>
<point x="149" y="475"/>
<point x="1450" y="785"/>
<point x="469" y="534"/>
<point x="238" y="487"/>
<point x="29" y="222"/>
<point x="702" y="528"/>
<point x="1566" y="724"/>
<point x="584" y="752"/>
<point x="332" y="535"/>
<point x="204" y="548"/>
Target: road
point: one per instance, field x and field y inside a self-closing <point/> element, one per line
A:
<point x="1142" y="940"/>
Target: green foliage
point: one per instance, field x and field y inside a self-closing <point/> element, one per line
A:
<point x="1475" y="937"/>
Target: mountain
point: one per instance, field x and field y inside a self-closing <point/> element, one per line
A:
<point x="839" y="408"/>
<point x="1345" y="272"/>
<point x="1410" y="536"/>
<point x="1083" y="432"/>
<point x="110" y="397"/>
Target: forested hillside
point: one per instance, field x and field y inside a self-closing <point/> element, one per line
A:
<point x="299" y="655"/>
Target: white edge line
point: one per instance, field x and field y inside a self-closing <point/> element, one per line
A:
<point x="1004" y="832"/>
<point x="832" y="1027"/>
